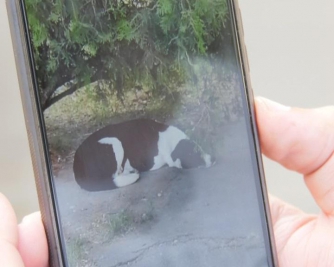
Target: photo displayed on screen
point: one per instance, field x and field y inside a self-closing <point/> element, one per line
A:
<point x="146" y="119"/>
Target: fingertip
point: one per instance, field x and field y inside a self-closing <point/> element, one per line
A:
<point x="33" y="217"/>
<point x="270" y="105"/>
<point x="32" y="241"/>
<point x="272" y="121"/>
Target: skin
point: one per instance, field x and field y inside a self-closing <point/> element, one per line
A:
<point x="301" y="140"/>
<point x="24" y="244"/>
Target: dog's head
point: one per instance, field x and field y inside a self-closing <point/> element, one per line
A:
<point x="191" y="155"/>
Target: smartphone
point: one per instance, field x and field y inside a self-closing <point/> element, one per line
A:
<point x="142" y="132"/>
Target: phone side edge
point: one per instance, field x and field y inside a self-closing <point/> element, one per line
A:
<point x="37" y="149"/>
<point x="251" y="108"/>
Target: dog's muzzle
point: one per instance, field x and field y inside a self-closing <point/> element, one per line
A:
<point x="209" y="161"/>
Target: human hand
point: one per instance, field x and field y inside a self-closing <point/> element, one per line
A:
<point x="303" y="141"/>
<point x="21" y="245"/>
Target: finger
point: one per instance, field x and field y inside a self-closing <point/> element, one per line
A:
<point x="321" y="184"/>
<point x="280" y="209"/>
<point x="32" y="241"/>
<point x="8" y="223"/>
<point x="303" y="141"/>
<point x="286" y="221"/>
<point x="10" y="257"/>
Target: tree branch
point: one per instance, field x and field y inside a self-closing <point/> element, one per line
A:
<point x="56" y="98"/>
<point x="99" y="75"/>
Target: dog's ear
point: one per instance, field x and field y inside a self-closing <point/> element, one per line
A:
<point x="179" y="150"/>
<point x="188" y="153"/>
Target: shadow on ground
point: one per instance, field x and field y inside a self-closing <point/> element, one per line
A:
<point x="170" y="217"/>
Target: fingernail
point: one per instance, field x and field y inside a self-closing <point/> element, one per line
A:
<point x="272" y="105"/>
<point x="26" y="219"/>
<point x="29" y="218"/>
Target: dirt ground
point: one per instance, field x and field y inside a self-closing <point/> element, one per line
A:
<point x="170" y="217"/>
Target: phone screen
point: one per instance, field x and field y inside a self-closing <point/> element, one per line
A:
<point x="147" y="124"/>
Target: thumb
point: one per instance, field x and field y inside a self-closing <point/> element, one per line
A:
<point x="301" y="140"/>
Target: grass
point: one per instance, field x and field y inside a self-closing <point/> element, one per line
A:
<point x="126" y="221"/>
<point x="76" y="252"/>
<point x="119" y="223"/>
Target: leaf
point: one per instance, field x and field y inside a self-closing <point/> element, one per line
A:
<point x="164" y="7"/>
<point x="124" y="30"/>
<point x="90" y="49"/>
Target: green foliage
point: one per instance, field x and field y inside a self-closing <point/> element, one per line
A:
<point x="124" y="42"/>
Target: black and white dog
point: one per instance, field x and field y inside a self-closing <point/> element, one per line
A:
<point x="115" y="155"/>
